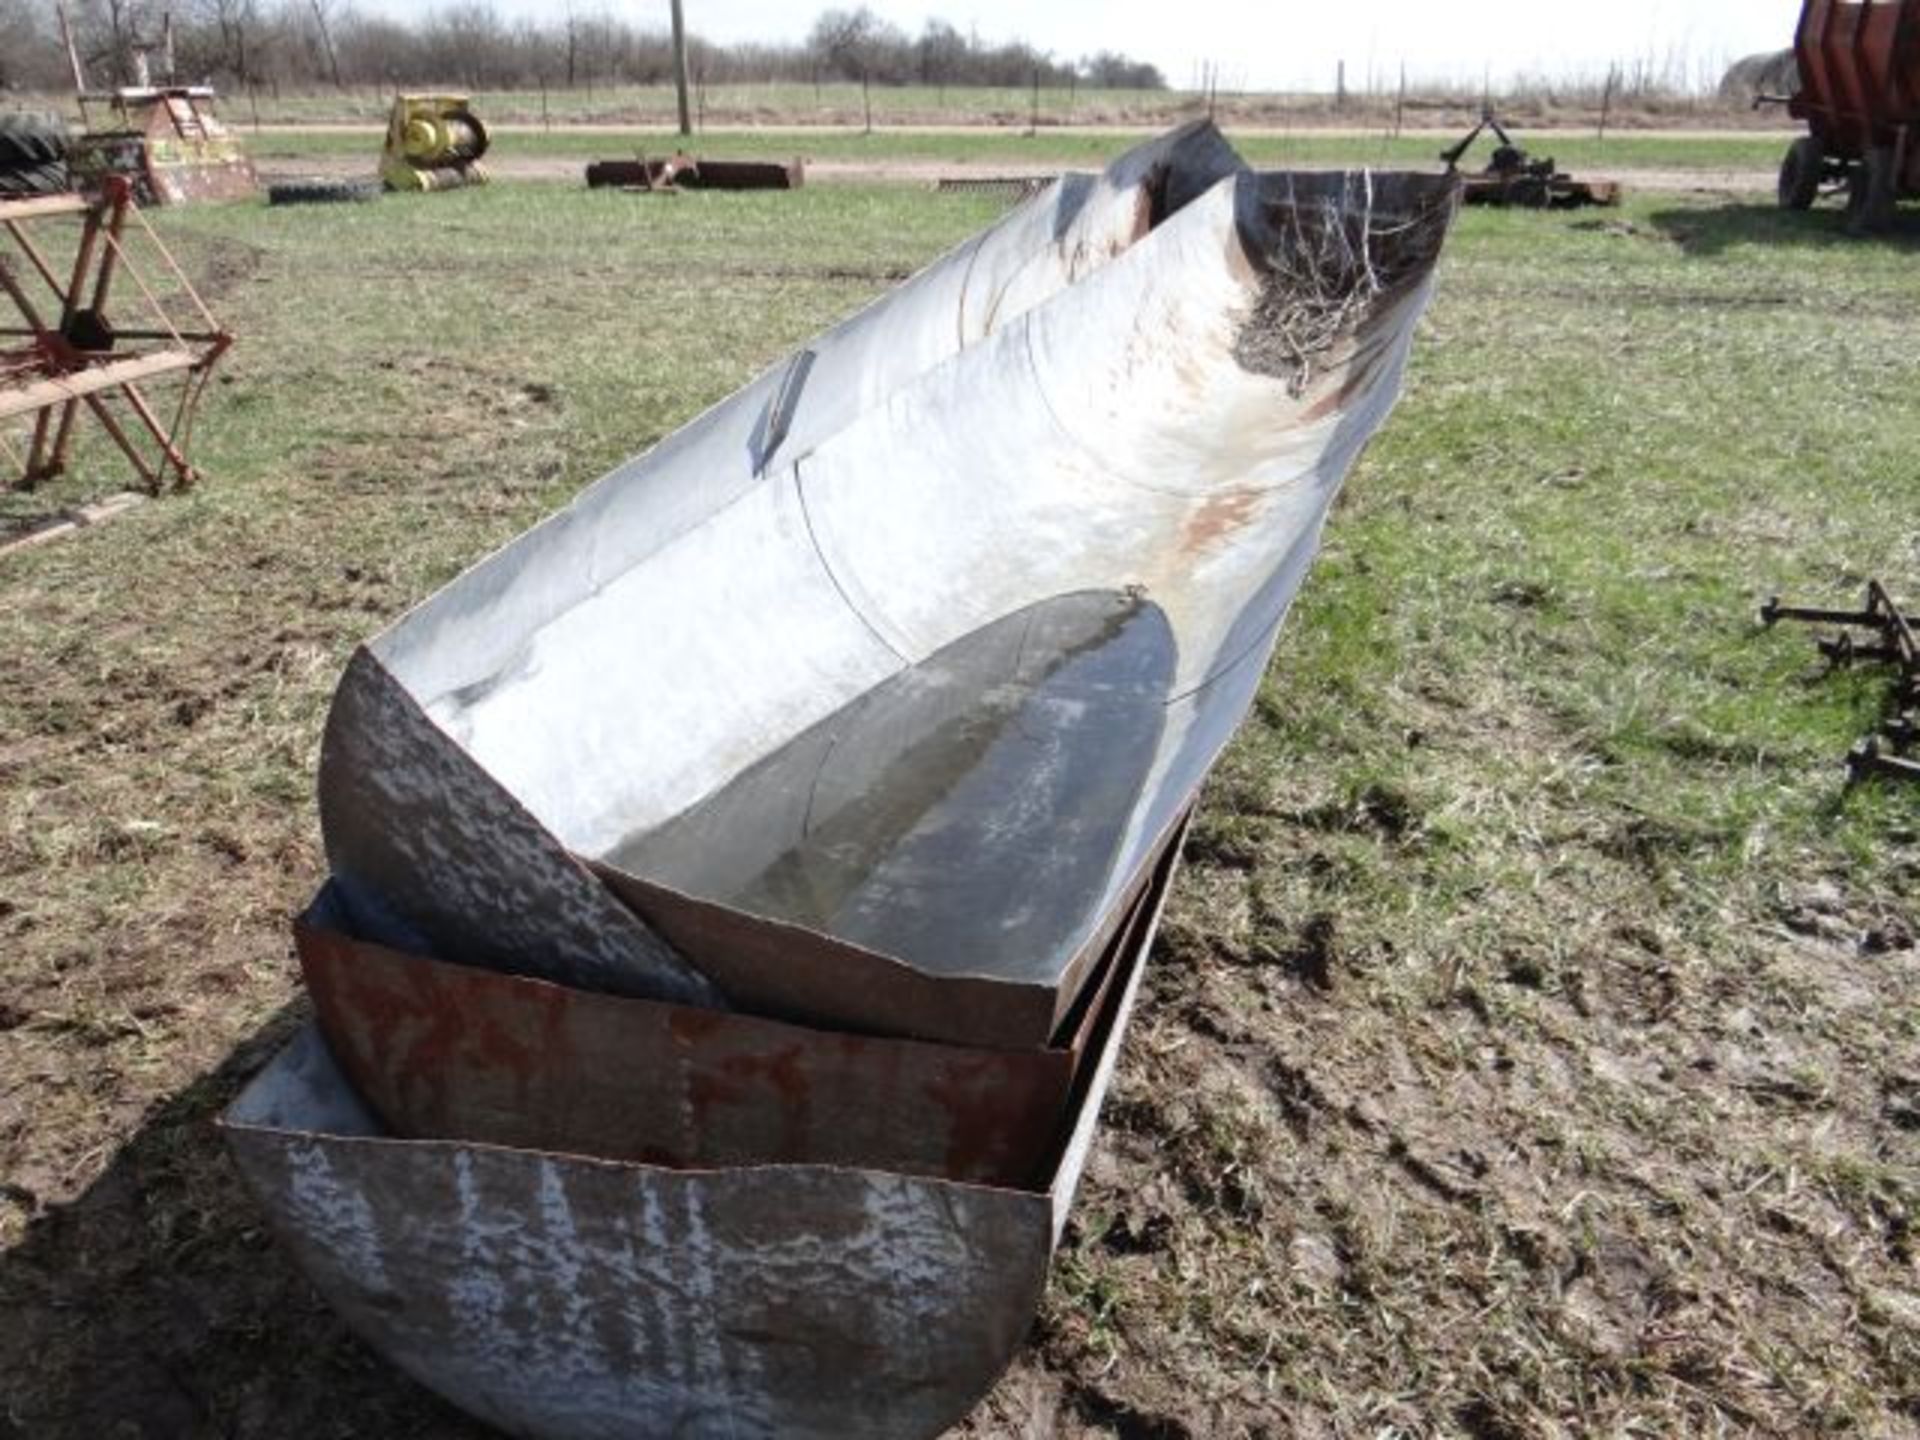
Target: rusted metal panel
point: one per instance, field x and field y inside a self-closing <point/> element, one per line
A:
<point x="457" y="1052"/>
<point x="1859" y="67"/>
<point x="167" y="142"/>
<point x="570" y="1299"/>
<point x="925" y="652"/>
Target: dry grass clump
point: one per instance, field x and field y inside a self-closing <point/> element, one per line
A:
<point x="1330" y="262"/>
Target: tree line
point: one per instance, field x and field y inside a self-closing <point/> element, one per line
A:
<point x="316" y="43"/>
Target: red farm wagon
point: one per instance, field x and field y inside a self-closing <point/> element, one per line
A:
<point x="1859" y="92"/>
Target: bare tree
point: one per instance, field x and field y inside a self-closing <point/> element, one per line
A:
<point x="271" y="43"/>
<point x="1110" y="70"/>
<point x="224" y="37"/>
<point x="19" y="36"/>
<point x="940" y="54"/>
<point x="321" y="8"/>
<point x="856" y="44"/>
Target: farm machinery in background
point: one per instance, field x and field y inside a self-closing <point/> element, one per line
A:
<point x="681" y="171"/>
<point x="1513" y="178"/>
<point x="164" y="139"/>
<point x="65" y="352"/>
<point x="434" y="142"/>
<point x="1894" y="752"/>
<point x="1859" y="92"/>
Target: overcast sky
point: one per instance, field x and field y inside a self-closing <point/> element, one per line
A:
<point x="1289" y="44"/>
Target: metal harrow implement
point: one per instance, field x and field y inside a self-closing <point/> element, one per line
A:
<point x="65" y="353"/>
<point x="1886" y="755"/>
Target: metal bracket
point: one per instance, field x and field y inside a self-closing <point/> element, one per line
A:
<point x="1892" y="643"/>
<point x="777" y="419"/>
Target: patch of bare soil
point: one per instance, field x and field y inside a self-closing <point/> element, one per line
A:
<point x="1610" y="1182"/>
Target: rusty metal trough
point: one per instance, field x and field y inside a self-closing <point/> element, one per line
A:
<point x="868" y="698"/>
<point x="741" y="881"/>
<point x="574" y="1299"/>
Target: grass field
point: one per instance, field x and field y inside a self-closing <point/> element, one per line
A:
<point x="1533" y="1047"/>
<point x="1052" y="149"/>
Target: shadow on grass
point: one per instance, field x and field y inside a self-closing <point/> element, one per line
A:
<point x="1709" y="231"/>
<point x="157" y="1306"/>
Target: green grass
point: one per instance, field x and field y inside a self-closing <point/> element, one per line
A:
<point x="1059" y="147"/>
<point x="1532" y="1030"/>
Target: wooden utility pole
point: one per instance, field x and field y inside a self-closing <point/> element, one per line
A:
<point x="680" y="67"/>
<point x="326" y="41"/>
<point x="73" y="51"/>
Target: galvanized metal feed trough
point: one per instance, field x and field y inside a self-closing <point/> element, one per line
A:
<point x="742" y="880"/>
<point x="868" y="698"/>
<point x="573" y="1299"/>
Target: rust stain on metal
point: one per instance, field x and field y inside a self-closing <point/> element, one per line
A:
<point x="1217" y="519"/>
<point x="443" y="1049"/>
<point x="732" y="1015"/>
<point x="167" y="142"/>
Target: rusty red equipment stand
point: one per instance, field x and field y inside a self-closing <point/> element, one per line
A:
<point x="69" y="354"/>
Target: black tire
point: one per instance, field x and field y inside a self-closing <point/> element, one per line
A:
<point x="323" y="192"/>
<point x="1801" y="173"/>
<point x="50" y="178"/>
<point x="27" y="140"/>
<point x="33" y="155"/>
<point x="1870" y="193"/>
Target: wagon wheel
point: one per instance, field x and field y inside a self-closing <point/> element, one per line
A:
<point x="1801" y="172"/>
<point x="1870" y="192"/>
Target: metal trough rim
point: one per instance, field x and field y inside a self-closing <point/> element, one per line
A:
<point x="434" y="1048"/>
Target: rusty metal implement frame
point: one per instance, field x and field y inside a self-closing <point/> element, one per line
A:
<point x="64" y="353"/>
<point x="1886" y="756"/>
